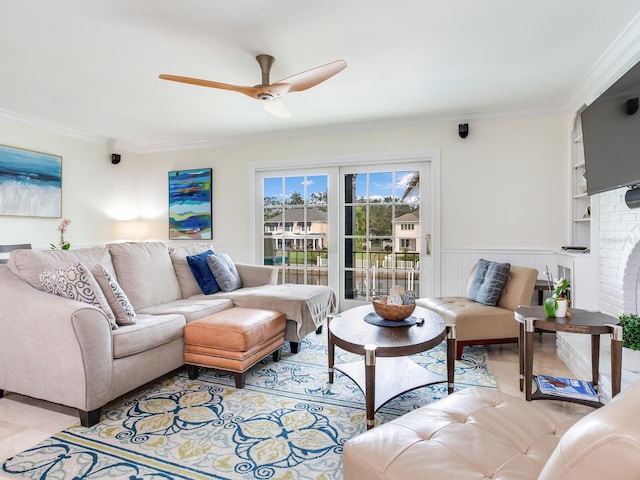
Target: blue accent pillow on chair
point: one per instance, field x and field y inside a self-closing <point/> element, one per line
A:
<point x="488" y="281"/>
<point x="201" y="272"/>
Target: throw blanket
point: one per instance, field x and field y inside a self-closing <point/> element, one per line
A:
<point x="307" y="305"/>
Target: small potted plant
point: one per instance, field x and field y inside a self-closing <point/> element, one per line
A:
<point x="557" y="304"/>
<point x="630" y="324"/>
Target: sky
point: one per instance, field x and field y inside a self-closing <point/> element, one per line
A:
<point x="380" y="185"/>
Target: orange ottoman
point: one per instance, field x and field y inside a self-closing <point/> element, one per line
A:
<point x="233" y="340"/>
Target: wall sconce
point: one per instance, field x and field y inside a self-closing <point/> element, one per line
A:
<point x="463" y="130"/>
<point x="134" y="230"/>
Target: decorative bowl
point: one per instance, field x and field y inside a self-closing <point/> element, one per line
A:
<point x="391" y="312"/>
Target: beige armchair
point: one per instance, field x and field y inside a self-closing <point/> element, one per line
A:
<point x="479" y="324"/>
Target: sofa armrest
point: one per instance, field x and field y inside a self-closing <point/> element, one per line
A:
<point x="257" y="275"/>
<point x="53" y="348"/>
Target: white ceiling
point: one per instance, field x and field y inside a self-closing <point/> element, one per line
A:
<point x="92" y="66"/>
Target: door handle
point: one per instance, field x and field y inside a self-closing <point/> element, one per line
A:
<point x="428" y="242"/>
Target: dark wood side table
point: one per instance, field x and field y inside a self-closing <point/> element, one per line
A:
<point x="580" y="321"/>
<point x="386" y="370"/>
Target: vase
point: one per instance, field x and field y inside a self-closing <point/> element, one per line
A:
<point x="562" y="305"/>
<point x="556" y="307"/>
<point x="630" y="359"/>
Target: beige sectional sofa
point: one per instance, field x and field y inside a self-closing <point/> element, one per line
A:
<point x="68" y="352"/>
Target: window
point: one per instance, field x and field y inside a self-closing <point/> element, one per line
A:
<point x="376" y="257"/>
<point x="331" y="243"/>
<point x="299" y="203"/>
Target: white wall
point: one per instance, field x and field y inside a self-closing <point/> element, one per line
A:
<point x="94" y="191"/>
<point x="504" y="186"/>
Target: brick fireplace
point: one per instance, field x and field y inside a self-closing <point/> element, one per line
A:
<point x="619" y="260"/>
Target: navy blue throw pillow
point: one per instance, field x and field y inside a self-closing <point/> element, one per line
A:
<point x="201" y="272"/>
<point x="488" y="281"/>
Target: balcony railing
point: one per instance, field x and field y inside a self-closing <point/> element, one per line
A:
<point x="373" y="272"/>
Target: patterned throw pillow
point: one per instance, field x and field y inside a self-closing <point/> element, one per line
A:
<point x="76" y="283"/>
<point x="488" y="281"/>
<point x="225" y="271"/>
<point x="117" y="299"/>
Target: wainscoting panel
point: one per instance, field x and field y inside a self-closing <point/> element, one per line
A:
<point x="457" y="264"/>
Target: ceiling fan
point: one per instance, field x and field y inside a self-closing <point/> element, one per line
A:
<point x="271" y="94"/>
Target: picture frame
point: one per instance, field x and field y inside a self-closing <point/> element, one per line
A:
<point x="30" y="183"/>
<point x="190" y="207"/>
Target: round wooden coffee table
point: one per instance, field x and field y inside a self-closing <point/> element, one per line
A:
<point x="386" y="370"/>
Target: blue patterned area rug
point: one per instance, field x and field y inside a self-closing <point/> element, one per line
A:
<point x="288" y="423"/>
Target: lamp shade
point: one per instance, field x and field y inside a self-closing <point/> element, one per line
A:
<point x="134" y="230"/>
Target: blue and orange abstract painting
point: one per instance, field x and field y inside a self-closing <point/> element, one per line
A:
<point x="30" y="183"/>
<point x="190" y="204"/>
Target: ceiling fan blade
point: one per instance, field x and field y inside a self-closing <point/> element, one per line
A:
<point x="252" y="92"/>
<point x="277" y="107"/>
<point x="313" y="77"/>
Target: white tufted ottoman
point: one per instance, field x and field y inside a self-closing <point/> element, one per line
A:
<point x="472" y="434"/>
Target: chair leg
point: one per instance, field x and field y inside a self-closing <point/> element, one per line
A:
<point x="459" y="348"/>
<point x="319" y="330"/>
<point x="239" y="378"/>
<point x="294" y="347"/>
<point x="192" y="371"/>
<point x="277" y="355"/>
<point x="90" y="418"/>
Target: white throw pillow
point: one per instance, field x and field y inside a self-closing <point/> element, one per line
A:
<point x="76" y="283"/>
<point x="225" y="272"/>
<point x="117" y="299"/>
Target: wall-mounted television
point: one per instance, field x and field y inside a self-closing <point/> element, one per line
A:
<point x="611" y="136"/>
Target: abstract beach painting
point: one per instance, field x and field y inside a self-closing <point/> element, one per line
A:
<point x="190" y="204"/>
<point x="30" y="183"/>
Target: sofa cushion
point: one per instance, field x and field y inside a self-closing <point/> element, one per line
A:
<point x="145" y="272"/>
<point x="29" y="264"/>
<point x="76" y="283"/>
<point x="178" y="254"/>
<point x="224" y="271"/>
<point x="201" y="272"/>
<point x="192" y="309"/>
<point x="117" y="299"/>
<point x="488" y="280"/>
<point x="473" y="320"/>
<point x="148" y="332"/>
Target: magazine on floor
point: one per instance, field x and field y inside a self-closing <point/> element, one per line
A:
<point x="567" y="387"/>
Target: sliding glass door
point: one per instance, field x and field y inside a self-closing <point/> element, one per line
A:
<point x="384" y="237"/>
<point x="360" y="228"/>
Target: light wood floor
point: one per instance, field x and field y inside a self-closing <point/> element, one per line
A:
<point x="24" y="422"/>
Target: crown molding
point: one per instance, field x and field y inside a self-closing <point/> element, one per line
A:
<point x="621" y="55"/>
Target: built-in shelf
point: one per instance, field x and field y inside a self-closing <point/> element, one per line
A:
<point x="581" y="268"/>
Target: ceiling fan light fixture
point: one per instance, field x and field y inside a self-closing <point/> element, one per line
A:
<point x="271" y="93"/>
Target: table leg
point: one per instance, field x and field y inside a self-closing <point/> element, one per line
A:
<point x="616" y="360"/>
<point x="521" y="353"/>
<point x="370" y="382"/>
<point x="451" y="357"/>
<point x="330" y="349"/>
<point x="528" y="354"/>
<point x="595" y="360"/>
